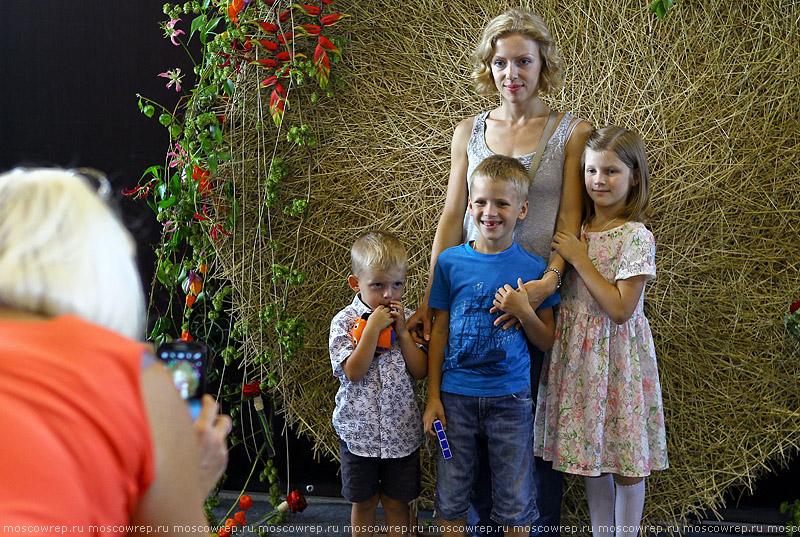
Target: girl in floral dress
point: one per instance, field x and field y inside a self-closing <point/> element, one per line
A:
<point x="599" y="412"/>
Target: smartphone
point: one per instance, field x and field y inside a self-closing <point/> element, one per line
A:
<point x="186" y="362"/>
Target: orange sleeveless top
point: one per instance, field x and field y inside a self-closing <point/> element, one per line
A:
<point x="76" y="448"/>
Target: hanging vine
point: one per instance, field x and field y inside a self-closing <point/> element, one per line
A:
<point x="254" y="56"/>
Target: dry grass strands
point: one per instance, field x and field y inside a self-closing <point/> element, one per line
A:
<point x="713" y="90"/>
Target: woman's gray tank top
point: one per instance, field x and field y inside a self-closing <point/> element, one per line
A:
<point x="535" y="232"/>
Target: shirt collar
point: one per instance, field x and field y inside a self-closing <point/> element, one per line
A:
<point x="359" y="306"/>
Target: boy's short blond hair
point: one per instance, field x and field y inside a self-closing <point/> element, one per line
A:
<point x="502" y="168"/>
<point x="377" y="249"/>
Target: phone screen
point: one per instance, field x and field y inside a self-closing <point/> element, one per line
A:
<point x="186" y="363"/>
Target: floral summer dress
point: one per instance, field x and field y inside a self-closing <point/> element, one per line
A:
<point x="599" y="407"/>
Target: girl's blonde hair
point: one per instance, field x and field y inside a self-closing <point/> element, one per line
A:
<point x="64" y="251"/>
<point x="629" y="148"/>
<point x="530" y="25"/>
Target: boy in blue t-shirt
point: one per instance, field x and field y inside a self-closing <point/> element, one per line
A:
<point x="479" y="374"/>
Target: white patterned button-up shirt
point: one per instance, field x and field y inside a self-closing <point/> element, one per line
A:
<point x="377" y="416"/>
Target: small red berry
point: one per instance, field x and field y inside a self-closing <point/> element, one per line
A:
<point x="240" y="518"/>
<point x="245" y="502"/>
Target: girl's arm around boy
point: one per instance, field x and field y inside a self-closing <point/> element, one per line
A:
<point x="539" y="325"/>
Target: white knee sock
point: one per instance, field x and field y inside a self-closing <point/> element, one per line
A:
<point x="628" y="509"/>
<point x="600" y="496"/>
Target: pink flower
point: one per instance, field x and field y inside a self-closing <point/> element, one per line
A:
<point x="174" y="78"/>
<point x="179" y="157"/>
<point x="171" y="32"/>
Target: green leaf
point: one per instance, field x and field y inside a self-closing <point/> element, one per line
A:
<point x="165" y="119"/>
<point x="216" y="132"/>
<point x="660" y="7"/>
<point x="154" y="170"/>
<point x="169" y="202"/>
<point x="212" y="162"/>
<point x="208" y="28"/>
<point x="175" y="184"/>
<point x="227" y="87"/>
<point x="161" y="191"/>
<point x="148" y="110"/>
<point x="175" y="130"/>
<point x="197" y="23"/>
<point x="161" y="325"/>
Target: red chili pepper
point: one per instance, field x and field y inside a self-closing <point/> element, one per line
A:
<point x="271" y="81"/>
<point x="190" y="299"/>
<point x="312" y="29"/>
<point x="186" y="336"/>
<point x="245" y="502"/>
<point x="269" y="45"/>
<point x="327" y="44"/>
<point x="285" y="39"/>
<point x="296" y="501"/>
<point x="266" y="62"/>
<point x="250" y="390"/>
<point x="267" y="27"/>
<point x="285" y="16"/>
<point x="284" y="56"/>
<point x="224" y="532"/>
<point x="328" y="20"/>
<point x="310" y="10"/>
<point x="241" y="518"/>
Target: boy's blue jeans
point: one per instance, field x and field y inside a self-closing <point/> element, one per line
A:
<point x="504" y="425"/>
<point x="549" y="483"/>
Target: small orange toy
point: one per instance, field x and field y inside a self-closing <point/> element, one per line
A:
<point x="385" y="339"/>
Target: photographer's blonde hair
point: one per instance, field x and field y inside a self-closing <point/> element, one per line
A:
<point x="64" y="251"/>
<point x="530" y="25"/>
<point x="377" y="249"/>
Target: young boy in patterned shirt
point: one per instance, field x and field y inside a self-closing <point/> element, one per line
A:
<point x="377" y="417"/>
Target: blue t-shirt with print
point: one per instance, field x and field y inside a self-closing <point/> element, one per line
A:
<point x="481" y="359"/>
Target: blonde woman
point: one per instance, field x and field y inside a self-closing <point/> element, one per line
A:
<point x="517" y="59"/>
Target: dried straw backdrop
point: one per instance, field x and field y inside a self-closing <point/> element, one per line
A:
<point x="714" y="91"/>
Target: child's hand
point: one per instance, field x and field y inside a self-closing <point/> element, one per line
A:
<point x="399" y="314"/>
<point x="513" y="301"/>
<point x="433" y="410"/>
<point x="570" y="247"/>
<point x="380" y="318"/>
